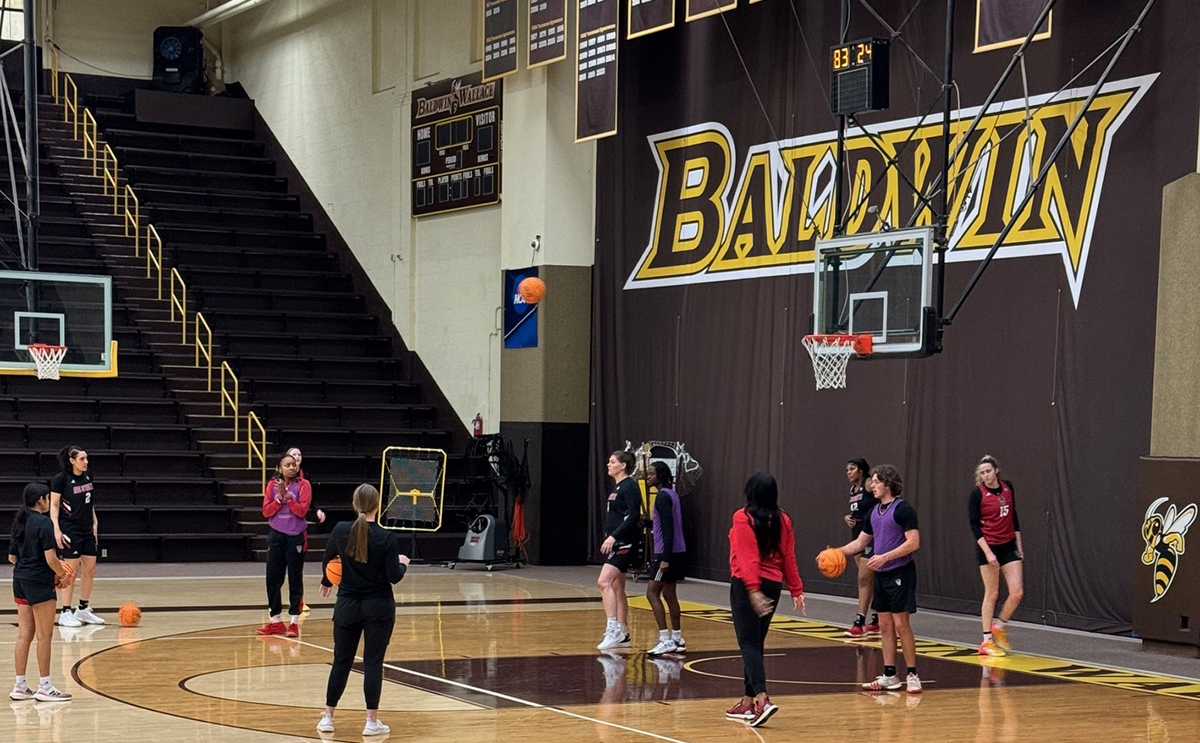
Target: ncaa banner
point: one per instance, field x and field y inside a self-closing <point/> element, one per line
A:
<point x="648" y="16"/>
<point x="547" y="31"/>
<point x="1003" y="23"/>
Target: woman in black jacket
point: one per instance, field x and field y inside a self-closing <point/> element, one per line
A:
<point x="371" y="564"/>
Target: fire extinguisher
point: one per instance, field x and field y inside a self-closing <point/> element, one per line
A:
<point x="477" y="425"/>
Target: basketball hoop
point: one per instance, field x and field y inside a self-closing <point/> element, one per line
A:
<point x="48" y="359"/>
<point x="831" y="353"/>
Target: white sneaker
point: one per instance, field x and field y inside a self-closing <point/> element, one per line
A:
<point x="914" y="683"/>
<point x="87" y="616"/>
<point x="616" y="640"/>
<point x="20" y="693"/>
<point x="376" y="727"/>
<point x="50" y="694"/>
<point x="67" y="619"/>
<point x="663" y="647"/>
<point x="884" y="683"/>
<point x="680" y="645"/>
<point x="326" y="724"/>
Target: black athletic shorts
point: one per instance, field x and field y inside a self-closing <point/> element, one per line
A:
<point x="31" y="593"/>
<point x="623" y="556"/>
<point x="81" y="544"/>
<point x="1005" y="553"/>
<point x="674" y="571"/>
<point x="896" y="590"/>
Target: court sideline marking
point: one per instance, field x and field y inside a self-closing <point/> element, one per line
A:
<point x="507" y="697"/>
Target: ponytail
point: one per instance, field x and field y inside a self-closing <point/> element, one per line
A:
<point x="762" y="506"/>
<point x="65" y="455"/>
<point x="34" y="492"/>
<point x="366" y="501"/>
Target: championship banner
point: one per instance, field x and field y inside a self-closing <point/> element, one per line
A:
<point x="704" y="8"/>
<point x="596" y="70"/>
<point x="1001" y="23"/>
<point x="648" y="16"/>
<point x="547" y="32"/>
<point x="499" y="38"/>
<point x="456" y="144"/>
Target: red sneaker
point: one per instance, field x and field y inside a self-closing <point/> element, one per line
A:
<point x="856" y="631"/>
<point x="293" y="630"/>
<point x="273" y="628"/>
<point x="762" y="712"/>
<point x="740" y="712"/>
<point x="873" y="627"/>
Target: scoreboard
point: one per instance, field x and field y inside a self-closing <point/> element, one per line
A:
<point x="456" y="144"/>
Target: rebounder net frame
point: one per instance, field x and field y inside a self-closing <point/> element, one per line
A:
<point x="412" y="485"/>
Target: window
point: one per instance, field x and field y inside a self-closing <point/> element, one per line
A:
<point x="12" y="20"/>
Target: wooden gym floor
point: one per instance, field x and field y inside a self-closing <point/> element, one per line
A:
<point x="484" y="657"/>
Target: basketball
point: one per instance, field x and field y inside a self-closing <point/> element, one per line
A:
<point x="831" y="562"/>
<point x="333" y="571"/>
<point x="68" y="577"/>
<point x="129" y="614"/>
<point x="532" y="290"/>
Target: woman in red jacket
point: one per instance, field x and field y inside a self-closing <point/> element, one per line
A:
<point x="762" y="558"/>
<point x="286" y="499"/>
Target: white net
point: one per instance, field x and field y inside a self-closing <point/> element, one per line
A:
<point x="48" y="359"/>
<point x="830" y="354"/>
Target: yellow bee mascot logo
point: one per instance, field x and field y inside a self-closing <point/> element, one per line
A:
<point x="1164" y="535"/>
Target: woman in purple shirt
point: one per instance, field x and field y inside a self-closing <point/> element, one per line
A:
<point x="285" y="504"/>
<point x="666" y="567"/>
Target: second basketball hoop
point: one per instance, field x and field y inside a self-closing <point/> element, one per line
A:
<point x="831" y="354"/>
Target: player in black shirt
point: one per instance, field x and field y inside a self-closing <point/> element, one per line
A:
<point x="621" y="547"/>
<point x="371" y="565"/>
<point x="76" y="531"/>
<point x="861" y="502"/>
<point x="36" y="571"/>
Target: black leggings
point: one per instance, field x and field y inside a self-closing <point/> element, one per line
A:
<point x="285" y="554"/>
<point x="751" y="631"/>
<point x="373" y="619"/>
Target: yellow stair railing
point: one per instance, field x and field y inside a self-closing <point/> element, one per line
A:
<point x="225" y="397"/>
<point x="126" y="205"/>
<point x="252" y="450"/>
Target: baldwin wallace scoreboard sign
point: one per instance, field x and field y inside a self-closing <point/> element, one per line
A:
<point x="456" y="145"/>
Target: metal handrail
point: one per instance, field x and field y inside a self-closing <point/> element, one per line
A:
<point x="251" y="449"/>
<point x="152" y="258"/>
<point x="134" y="217"/>
<point x="233" y="401"/>
<point x="111" y="177"/>
<point x="202" y="349"/>
<point x="179" y="302"/>
<point x="54" y="74"/>
<point x="91" y="139"/>
<point x="71" y="104"/>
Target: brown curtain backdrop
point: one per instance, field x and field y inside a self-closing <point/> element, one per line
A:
<point x="1058" y="391"/>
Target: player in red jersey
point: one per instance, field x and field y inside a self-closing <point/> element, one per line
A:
<point x="993" y="515"/>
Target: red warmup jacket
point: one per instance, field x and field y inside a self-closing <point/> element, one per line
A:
<point x="752" y="569"/>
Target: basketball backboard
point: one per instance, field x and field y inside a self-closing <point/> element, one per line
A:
<point x="72" y="310"/>
<point x="878" y="284"/>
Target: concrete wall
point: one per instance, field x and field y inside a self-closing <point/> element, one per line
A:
<point x="333" y="78"/>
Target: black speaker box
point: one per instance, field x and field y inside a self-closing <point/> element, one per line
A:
<point x="179" y="59"/>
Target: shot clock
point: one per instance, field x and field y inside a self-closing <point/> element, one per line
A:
<point x="858" y="76"/>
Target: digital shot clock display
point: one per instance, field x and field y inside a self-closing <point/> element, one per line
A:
<point x="859" y="76"/>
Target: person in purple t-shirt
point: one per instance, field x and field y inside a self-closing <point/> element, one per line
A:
<point x="666" y="567"/>
<point x="286" y="499"/>
<point x="892" y="527"/>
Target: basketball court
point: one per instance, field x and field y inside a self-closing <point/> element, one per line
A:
<point x="492" y="656"/>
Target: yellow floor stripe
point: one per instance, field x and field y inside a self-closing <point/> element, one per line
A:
<point x="1117" y="678"/>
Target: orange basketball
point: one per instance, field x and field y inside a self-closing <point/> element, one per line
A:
<point x="129" y="614"/>
<point x="68" y="577"/>
<point x="831" y="562"/>
<point x="532" y="290"/>
<point x="333" y="571"/>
